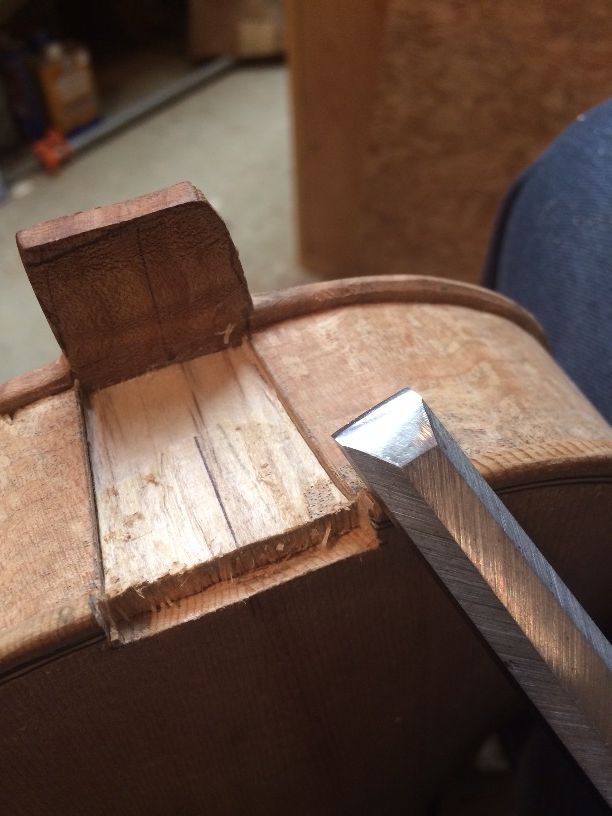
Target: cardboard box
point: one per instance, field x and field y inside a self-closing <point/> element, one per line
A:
<point x="67" y="84"/>
<point x="240" y="28"/>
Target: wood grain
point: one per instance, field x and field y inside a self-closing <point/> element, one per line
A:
<point x="200" y="476"/>
<point x="34" y="385"/>
<point x="302" y="699"/>
<point x="47" y="536"/>
<point x="319" y="683"/>
<point x="496" y="388"/>
<point x="324" y="692"/>
<point x="134" y="286"/>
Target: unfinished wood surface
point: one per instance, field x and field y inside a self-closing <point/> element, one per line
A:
<point x="269" y="703"/>
<point x="497" y="389"/>
<point x="408" y="136"/>
<point x="272" y="307"/>
<point x="267" y="706"/>
<point x="134" y="286"/>
<point x="47" y="537"/>
<point x="34" y="385"/>
<point x="262" y="693"/>
<point x="200" y="475"/>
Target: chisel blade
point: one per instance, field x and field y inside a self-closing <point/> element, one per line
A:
<point x="430" y="489"/>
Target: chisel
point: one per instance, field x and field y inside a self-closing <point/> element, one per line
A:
<point x="429" y="488"/>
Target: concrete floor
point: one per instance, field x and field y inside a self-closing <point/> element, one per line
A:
<point x="230" y="138"/>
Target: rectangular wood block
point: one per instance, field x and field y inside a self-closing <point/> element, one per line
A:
<point x="200" y="475"/>
<point x="133" y="286"/>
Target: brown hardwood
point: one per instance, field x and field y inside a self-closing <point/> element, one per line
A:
<point x="133" y="286"/>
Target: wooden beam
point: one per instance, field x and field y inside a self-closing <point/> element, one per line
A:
<point x="335" y="52"/>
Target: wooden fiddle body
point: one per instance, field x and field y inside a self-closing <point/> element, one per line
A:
<point x="202" y="609"/>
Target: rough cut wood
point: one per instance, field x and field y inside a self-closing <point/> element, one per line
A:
<point x="34" y="385"/>
<point x="47" y="539"/>
<point x="200" y="475"/>
<point x="133" y="286"/>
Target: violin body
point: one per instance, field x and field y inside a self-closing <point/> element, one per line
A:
<point x="203" y="610"/>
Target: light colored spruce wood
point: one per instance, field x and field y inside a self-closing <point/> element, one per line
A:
<point x="48" y="544"/>
<point x="137" y="285"/>
<point x="200" y="476"/>
<point x="244" y="586"/>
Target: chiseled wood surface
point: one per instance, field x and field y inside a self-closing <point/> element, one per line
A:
<point x="200" y="475"/>
<point x="47" y="536"/>
<point x="137" y="285"/>
<point x="495" y="386"/>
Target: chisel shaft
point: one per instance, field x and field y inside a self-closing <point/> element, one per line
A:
<point x="526" y="613"/>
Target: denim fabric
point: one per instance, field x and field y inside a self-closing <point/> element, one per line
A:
<point x="552" y="250"/>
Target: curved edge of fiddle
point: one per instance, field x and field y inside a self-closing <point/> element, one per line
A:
<point x="297" y="301"/>
<point x="45" y="381"/>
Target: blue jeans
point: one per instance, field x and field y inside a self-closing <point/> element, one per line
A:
<point x="552" y="250"/>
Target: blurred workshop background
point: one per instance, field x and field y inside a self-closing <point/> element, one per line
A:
<point x="104" y="101"/>
<point x="335" y="138"/>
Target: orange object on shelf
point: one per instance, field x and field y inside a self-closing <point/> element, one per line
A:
<point x="52" y="150"/>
